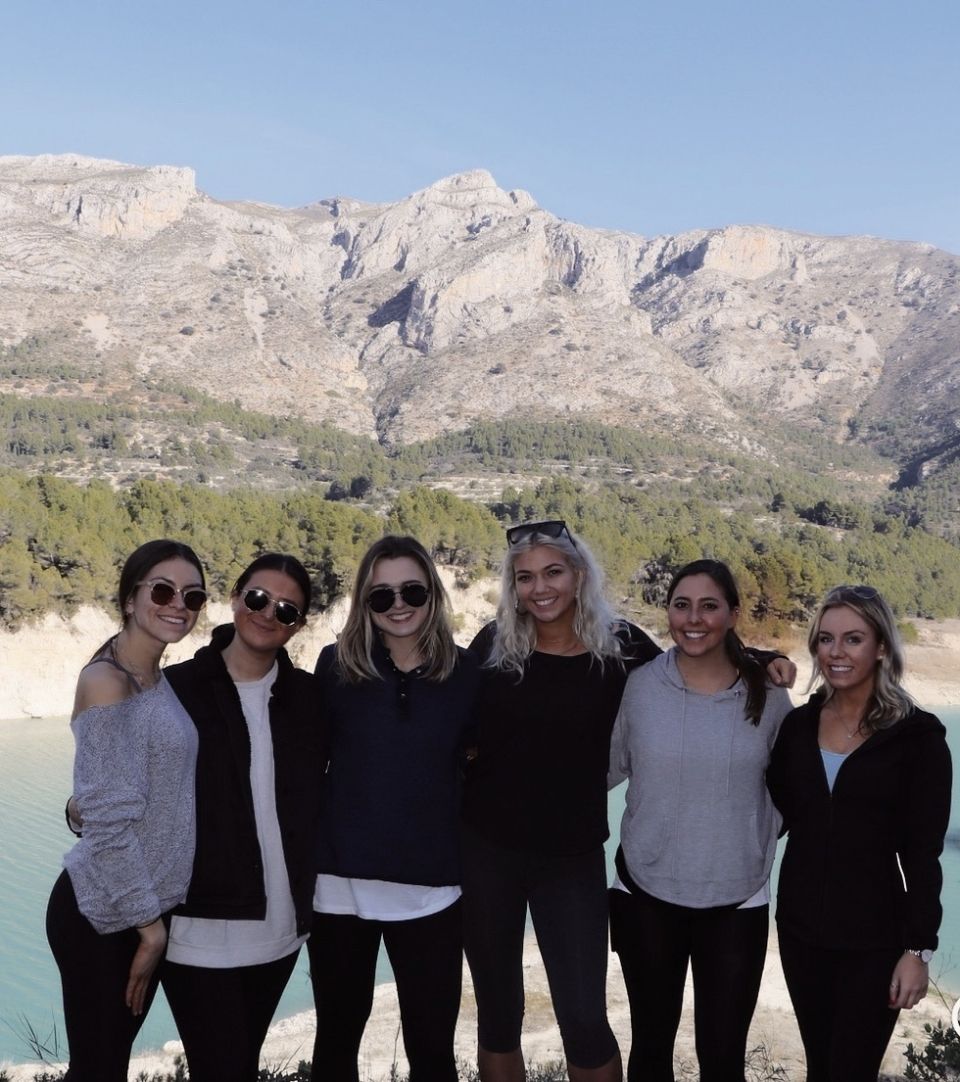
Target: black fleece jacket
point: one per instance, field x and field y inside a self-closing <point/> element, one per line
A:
<point x="840" y="884"/>
<point x="227" y="881"/>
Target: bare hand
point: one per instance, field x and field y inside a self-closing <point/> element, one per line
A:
<point x="153" y="942"/>
<point x="909" y="982"/>
<point x="782" y="672"/>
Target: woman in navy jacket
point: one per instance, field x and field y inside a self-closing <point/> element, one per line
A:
<point x="862" y="777"/>
<point x="234" y="942"/>
<point x="398" y="696"/>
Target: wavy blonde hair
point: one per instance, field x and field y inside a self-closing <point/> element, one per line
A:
<point x="889" y="702"/>
<point x="594" y="623"/>
<point x="435" y="641"/>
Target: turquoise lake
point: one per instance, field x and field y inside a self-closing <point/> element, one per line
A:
<point x="35" y="768"/>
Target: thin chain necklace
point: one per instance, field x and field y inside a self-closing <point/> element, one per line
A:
<point x="143" y="679"/>
<point x="850" y="735"/>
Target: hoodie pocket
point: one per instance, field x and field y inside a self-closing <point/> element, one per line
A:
<point x="646" y="842"/>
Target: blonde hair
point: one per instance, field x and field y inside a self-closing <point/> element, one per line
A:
<point x="435" y="641"/>
<point x="594" y="621"/>
<point x="889" y="702"/>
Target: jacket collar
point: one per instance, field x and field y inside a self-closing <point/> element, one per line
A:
<point x="210" y="657"/>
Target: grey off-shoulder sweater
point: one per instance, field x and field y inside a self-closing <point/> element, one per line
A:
<point x="133" y="779"/>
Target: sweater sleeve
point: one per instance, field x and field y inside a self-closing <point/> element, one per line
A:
<point x="926" y="815"/>
<point x="619" y="768"/>
<point x="110" y="782"/>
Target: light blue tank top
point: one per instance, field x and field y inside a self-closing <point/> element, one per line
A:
<point x="832" y="761"/>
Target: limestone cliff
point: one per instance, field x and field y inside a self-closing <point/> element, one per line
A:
<point x="464" y="300"/>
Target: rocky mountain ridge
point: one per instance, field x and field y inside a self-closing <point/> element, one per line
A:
<point x="465" y="301"/>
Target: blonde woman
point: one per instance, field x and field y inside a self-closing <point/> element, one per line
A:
<point x="862" y="776"/>
<point x="398" y="696"/>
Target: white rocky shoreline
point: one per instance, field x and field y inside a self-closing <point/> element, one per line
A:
<point x="38" y="667"/>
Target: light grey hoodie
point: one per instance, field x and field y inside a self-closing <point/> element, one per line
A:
<point x="699" y="828"/>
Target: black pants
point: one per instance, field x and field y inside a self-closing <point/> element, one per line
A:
<point x="567" y="897"/>
<point x="427" y="959"/>
<point x="94" y="970"/>
<point x="726" y="948"/>
<point x="223" y="1015"/>
<point x="840" y="1000"/>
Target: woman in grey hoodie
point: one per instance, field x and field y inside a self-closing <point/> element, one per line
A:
<point x="693" y="738"/>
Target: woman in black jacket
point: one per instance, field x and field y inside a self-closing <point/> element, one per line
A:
<point x="234" y="942"/>
<point x="862" y="777"/>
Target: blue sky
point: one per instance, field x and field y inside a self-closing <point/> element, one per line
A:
<point x="827" y="117"/>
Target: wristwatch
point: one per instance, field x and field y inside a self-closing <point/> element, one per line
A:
<point x="924" y="955"/>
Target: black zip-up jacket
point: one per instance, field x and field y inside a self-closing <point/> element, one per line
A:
<point x="840" y="884"/>
<point x="227" y="881"/>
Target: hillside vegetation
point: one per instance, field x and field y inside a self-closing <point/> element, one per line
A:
<point x="88" y="471"/>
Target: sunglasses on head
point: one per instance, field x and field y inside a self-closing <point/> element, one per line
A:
<point x="284" y="612"/>
<point x="414" y="594"/>
<point x="554" y="527"/>
<point x="863" y="593"/>
<point x="162" y="593"/>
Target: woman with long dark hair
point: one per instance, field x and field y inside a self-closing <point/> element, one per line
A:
<point x="234" y="941"/>
<point x="398" y="696"/>
<point x="133" y="788"/>
<point x="862" y="776"/>
<point x="699" y="833"/>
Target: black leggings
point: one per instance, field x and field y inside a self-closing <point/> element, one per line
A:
<point x="426" y="954"/>
<point x="568" y="905"/>
<point x="726" y="948"/>
<point x="94" y="970"/>
<point x="223" y="1015"/>
<point x="840" y="1000"/>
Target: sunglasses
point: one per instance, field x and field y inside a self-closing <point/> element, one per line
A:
<point x="554" y="527"/>
<point x="414" y="594"/>
<point x="284" y="612"/>
<point x="162" y="593"/>
<point x="864" y="593"/>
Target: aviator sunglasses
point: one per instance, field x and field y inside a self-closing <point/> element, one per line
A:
<point x="414" y="594"/>
<point x="162" y="593"/>
<point x="284" y="612"/>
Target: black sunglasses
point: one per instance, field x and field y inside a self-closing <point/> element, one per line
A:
<point x="284" y="612"/>
<point x="414" y="594"/>
<point x="554" y="527"/>
<point x="863" y="593"/>
<point x="162" y="593"/>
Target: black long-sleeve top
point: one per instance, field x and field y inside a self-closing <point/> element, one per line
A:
<point x="840" y="883"/>
<point x="539" y="782"/>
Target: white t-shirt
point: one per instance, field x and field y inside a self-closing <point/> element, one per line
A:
<point x="222" y="944"/>
<point x="375" y="899"/>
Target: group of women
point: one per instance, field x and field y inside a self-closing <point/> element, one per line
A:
<point x="417" y="794"/>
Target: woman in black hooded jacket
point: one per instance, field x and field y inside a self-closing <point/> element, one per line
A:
<point x="862" y="777"/>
